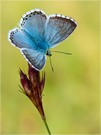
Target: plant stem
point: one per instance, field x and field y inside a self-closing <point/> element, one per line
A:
<point x="46" y="125"/>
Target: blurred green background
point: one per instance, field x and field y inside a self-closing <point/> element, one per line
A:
<point x="71" y="96"/>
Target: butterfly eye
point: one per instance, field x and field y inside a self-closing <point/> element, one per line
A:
<point x="48" y="53"/>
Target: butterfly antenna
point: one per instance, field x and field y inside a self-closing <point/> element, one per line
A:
<point x="51" y="64"/>
<point x="63" y="52"/>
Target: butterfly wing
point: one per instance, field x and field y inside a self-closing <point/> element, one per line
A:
<point x="35" y="58"/>
<point x="58" y="28"/>
<point x="33" y="23"/>
<point x="19" y="39"/>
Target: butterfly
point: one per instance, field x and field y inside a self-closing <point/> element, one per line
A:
<point x="38" y="33"/>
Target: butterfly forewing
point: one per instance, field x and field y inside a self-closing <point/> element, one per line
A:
<point x="58" y="28"/>
<point x="33" y="23"/>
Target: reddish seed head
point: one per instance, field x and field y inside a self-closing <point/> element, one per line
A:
<point x="33" y="87"/>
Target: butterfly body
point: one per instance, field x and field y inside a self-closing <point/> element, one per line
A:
<point x="39" y="33"/>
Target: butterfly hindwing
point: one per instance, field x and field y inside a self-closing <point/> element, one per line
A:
<point x="58" y="28"/>
<point x="18" y="38"/>
<point x="34" y="57"/>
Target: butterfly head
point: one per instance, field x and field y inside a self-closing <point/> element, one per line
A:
<point x="48" y="53"/>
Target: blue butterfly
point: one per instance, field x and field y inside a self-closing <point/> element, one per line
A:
<point x="38" y="33"/>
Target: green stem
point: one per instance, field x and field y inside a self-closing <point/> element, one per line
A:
<point x="46" y="125"/>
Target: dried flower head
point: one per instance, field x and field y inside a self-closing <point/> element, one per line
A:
<point x="33" y="86"/>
